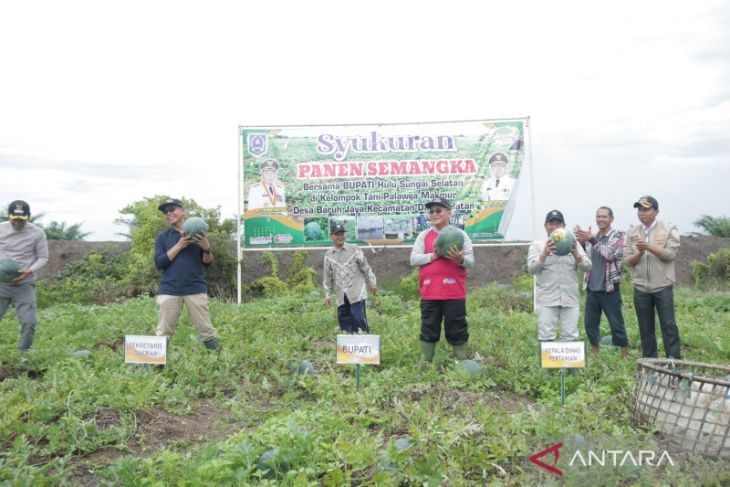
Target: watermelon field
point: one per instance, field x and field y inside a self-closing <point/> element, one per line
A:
<point x="75" y="414"/>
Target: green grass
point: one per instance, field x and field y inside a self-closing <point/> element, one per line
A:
<point x="65" y="415"/>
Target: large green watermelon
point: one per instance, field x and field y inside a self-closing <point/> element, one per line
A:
<point x="194" y="226"/>
<point x="9" y="270"/>
<point x="563" y="240"/>
<point x="448" y="237"/>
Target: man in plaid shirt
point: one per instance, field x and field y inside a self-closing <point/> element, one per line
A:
<point x="601" y="283"/>
<point x="346" y="273"/>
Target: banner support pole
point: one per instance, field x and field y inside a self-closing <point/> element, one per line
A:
<point x="239" y="232"/>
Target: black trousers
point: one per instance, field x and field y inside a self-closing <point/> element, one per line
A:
<point x="452" y="312"/>
<point x="663" y="302"/>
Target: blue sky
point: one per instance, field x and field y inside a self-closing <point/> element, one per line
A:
<point x="102" y="104"/>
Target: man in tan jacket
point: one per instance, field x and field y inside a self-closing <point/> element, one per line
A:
<point x="649" y="252"/>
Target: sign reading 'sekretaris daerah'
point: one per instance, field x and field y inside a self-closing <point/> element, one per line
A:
<point x="376" y="179"/>
<point x="143" y="349"/>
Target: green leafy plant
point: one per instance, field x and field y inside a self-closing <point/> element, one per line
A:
<point x="715" y="270"/>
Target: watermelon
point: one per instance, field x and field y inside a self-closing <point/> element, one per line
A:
<point x="607" y="340"/>
<point x="563" y="240"/>
<point x="271" y="463"/>
<point x="194" y="226"/>
<point x="313" y="231"/>
<point x="471" y="366"/>
<point x="448" y="237"/>
<point x="9" y="270"/>
<point x="306" y="368"/>
<point x="402" y="444"/>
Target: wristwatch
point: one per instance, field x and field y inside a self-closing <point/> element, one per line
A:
<point x="207" y="251"/>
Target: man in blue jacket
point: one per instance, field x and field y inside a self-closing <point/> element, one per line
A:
<point x="182" y="260"/>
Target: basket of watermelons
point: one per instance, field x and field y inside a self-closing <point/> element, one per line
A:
<point x="688" y="402"/>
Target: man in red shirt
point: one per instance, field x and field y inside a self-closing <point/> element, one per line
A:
<point x="442" y="284"/>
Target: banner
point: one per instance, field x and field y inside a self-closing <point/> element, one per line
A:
<point x="376" y="179"/>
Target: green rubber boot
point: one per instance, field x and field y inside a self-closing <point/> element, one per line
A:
<point x="212" y="344"/>
<point x="460" y="351"/>
<point x="428" y="350"/>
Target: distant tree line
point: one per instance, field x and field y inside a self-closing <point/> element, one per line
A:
<point x="54" y="230"/>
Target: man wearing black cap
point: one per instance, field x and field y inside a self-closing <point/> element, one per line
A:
<point x="26" y="244"/>
<point x="499" y="186"/>
<point x="346" y="273"/>
<point x="442" y="284"/>
<point x="650" y="250"/>
<point x="556" y="283"/>
<point x="269" y="193"/>
<point x="182" y="260"/>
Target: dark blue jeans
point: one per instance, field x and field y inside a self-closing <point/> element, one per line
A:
<point x="610" y="304"/>
<point x="453" y="314"/>
<point x="351" y="316"/>
<point x="663" y="302"/>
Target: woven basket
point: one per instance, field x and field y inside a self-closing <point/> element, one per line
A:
<point x="689" y="402"/>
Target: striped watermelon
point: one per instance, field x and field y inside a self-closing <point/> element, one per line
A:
<point x="9" y="270"/>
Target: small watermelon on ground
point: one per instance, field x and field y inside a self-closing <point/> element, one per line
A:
<point x="563" y="240"/>
<point x="194" y="226"/>
<point x="271" y="463"/>
<point x="312" y="231"/>
<point x="607" y="341"/>
<point x="9" y="270"/>
<point x="471" y="366"/>
<point x="448" y="237"/>
<point x="401" y="444"/>
<point x="305" y="367"/>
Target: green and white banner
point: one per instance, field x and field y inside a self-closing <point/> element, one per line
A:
<point x="376" y="179"/>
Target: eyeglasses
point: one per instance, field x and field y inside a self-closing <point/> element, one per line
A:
<point x="169" y="209"/>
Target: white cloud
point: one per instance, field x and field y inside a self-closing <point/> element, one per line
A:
<point x="124" y="101"/>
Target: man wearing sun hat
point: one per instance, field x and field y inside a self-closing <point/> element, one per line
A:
<point x="650" y="250"/>
<point x="442" y="284"/>
<point x="26" y="244"/>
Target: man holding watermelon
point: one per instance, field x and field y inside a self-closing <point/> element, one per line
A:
<point x="442" y="253"/>
<point x="554" y="263"/>
<point x="182" y="259"/>
<point x="24" y="247"/>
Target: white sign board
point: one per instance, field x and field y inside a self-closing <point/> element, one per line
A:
<point x="358" y="349"/>
<point x="141" y="349"/>
<point x="558" y="355"/>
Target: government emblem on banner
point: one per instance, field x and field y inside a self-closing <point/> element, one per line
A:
<point x="258" y="144"/>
